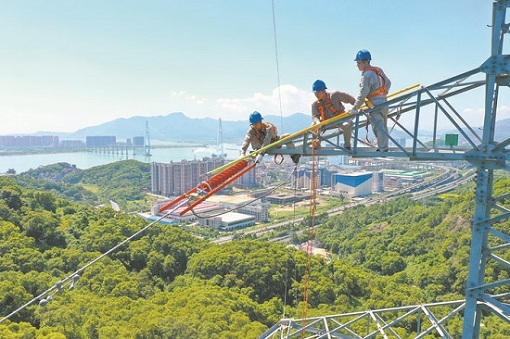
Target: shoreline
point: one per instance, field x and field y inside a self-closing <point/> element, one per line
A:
<point x="59" y="150"/>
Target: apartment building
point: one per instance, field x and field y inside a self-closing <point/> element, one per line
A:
<point x="176" y="178"/>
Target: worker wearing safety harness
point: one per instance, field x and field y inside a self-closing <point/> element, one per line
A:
<point x="374" y="87"/>
<point x="330" y="104"/>
<point x="261" y="134"/>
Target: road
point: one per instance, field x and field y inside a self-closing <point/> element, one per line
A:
<point x="445" y="181"/>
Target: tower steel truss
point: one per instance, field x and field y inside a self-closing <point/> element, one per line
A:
<point x="410" y="109"/>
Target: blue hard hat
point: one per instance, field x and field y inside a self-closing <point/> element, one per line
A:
<point x="363" y="55"/>
<point x="319" y="85"/>
<point x="255" y="117"/>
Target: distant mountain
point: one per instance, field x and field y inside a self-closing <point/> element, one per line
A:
<point x="500" y="132"/>
<point x="178" y="127"/>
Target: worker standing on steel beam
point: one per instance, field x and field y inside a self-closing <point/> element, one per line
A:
<point x="262" y="133"/>
<point x="330" y="104"/>
<point x="374" y="87"/>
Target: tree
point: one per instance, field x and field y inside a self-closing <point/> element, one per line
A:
<point x="11" y="194"/>
<point x="43" y="226"/>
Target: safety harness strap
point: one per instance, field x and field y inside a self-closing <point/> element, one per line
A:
<point x="328" y="105"/>
<point x="382" y="90"/>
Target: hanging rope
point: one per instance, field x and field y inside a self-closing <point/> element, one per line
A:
<point x="277" y="66"/>
<point x="292" y="234"/>
<point x="311" y="222"/>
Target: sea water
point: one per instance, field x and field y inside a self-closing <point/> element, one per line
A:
<point x="85" y="160"/>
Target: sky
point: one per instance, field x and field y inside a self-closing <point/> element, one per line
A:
<point x="66" y="65"/>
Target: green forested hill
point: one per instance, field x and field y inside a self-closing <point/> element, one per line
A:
<point x="168" y="284"/>
<point x="424" y="244"/>
<point x="421" y="243"/>
<point x="124" y="182"/>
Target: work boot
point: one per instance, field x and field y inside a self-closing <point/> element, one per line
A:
<point x="295" y="158"/>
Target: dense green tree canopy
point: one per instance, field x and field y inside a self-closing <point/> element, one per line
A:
<point x="167" y="283"/>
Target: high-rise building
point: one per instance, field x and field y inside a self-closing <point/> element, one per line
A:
<point x="29" y="141"/>
<point x="378" y="183"/>
<point x="248" y="179"/>
<point x="138" y="141"/>
<point x="176" y="178"/>
<point x="72" y="144"/>
<point x="101" y="141"/>
<point x="305" y="177"/>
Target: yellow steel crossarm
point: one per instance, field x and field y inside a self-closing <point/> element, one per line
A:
<point x="391" y="95"/>
<point x="288" y="138"/>
<point x="313" y="128"/>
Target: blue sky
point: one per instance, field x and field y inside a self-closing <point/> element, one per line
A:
<point x="66" y="65"/>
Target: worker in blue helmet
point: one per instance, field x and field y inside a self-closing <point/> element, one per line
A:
<point x="330" y="104"/>
<point x="262" y="133"/>
<point x="374" y="87"/>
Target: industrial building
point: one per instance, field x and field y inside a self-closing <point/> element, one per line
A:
<point x="287" y="199"/>
<point x="229" y="221"/>
<point x="352" y="185"/>
<point x="205" y="209"/>
<point x="213" y="214"/>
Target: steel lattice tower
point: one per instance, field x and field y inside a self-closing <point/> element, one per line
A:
<point x="484" y="153"/>
<point x="491" y="156"/>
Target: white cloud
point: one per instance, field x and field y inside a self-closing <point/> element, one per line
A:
<point x="475" y="117"/>
<point x="292" y="100"/>
<point x="184" y="96"/>
<point x="503" y="112"/>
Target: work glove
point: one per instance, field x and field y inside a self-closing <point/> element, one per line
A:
<point x="315" y="122"/>
<point x="258" y="158"/>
